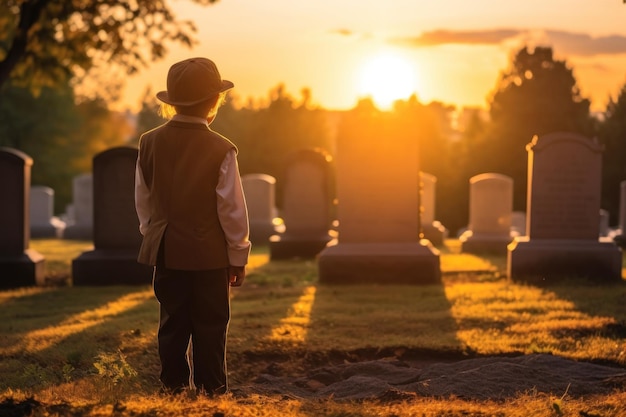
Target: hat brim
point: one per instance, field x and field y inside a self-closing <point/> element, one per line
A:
<point x="165" y="98"/>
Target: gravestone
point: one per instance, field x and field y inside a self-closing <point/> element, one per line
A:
<point x="490" y="210"/>
<point x="518" y="223"/>
<point x="113" y="261"/>
<point x="432" y="229"/>
<point x="604" y="222"/>
<point x="80" y="220"/>
<point x="622" y="207"/>
<point x="306" y="206"/>
<point x="378" y="210"/>
<point x="563" y="208"/>
<point x="260" y="193"/>
<point x="43" y="223"/>
<point x="19" y="265"/>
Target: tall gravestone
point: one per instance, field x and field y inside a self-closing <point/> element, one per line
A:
<point x="260" y="192"/>
<point x="306" y="206"/>
<point x="490" y="210"/>
<point x="19" y="265"/>
<point x="432" y="229"/>
<point x="80" y="222"/>
<point x="43" y="223"/>
<point x="563" y="209"/>
<point x="378" y="210"/>
<point x="116" y="237"/>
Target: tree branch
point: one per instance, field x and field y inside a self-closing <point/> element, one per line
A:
<point x="30" y="11"/>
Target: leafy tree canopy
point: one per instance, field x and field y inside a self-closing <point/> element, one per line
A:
<point x="535" y="96"/>
<point x="612" y="134"/>
<point x="59" y="135"/>
<point x="47" y="42"/>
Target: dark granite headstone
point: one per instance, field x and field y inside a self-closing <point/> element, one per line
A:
<point x="116" y="227"/>
<point x="19" y="265"/>
<point x="307" y="206"/>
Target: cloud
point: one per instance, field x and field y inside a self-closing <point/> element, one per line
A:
<point x="563" y="42"/>
<point x="342" y="32"/>
<point x="582" y="44"/>
<point x="443" y="37"/>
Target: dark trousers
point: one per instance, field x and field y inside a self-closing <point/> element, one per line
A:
<point x="194" y="307"/>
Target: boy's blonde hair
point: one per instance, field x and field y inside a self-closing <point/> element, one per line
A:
<point x="205" y="109"/>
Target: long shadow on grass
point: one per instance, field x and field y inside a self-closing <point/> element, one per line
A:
<point x="604" y="301"/>
<point x="106" y="333"/>
<point x="285" y="322"/>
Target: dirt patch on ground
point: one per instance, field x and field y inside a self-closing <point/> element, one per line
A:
<point x="389" y="375"/>
<point x="494" y="378"/>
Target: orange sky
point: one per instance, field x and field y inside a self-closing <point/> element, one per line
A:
<point x="452" y="50"/>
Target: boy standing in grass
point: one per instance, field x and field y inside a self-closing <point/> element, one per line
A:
<point x="194" y="221"/>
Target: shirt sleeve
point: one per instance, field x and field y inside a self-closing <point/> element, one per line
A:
<point x="232" y="210"/>
<point x="142" y="195"/>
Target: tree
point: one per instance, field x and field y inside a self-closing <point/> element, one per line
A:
<point x="47" y="42"/>
<point x="536" y="96"/>
<point x="148" y="117"/>
<point x="60" y="136"/>
<point x="268" y="134"/>
<point x="612" y="134"/>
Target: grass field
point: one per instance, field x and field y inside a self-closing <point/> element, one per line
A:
<point x="85" y="351"/>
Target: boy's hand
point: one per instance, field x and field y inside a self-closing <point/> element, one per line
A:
<point x="236" y="275"/>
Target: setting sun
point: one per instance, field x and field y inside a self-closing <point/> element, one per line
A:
<point x="387" y="78"/>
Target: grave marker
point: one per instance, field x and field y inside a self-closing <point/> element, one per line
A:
<point x="19" y="265"/>
<point x="307" y="206"/>
<point x="80" y="219"/>
<point x="43" y="223"/>
<point x="378" y="209"/>
<point x="432" y="229"/>
<point x="564" y="173"/>
<point x="491" y="206"/>
<point x="113" y="261"/>
<point x="260" y="193"/>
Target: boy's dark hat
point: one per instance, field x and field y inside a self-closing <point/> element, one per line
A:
<point x="192" y="81"/>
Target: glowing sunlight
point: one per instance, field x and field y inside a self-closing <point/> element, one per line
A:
<point x="294" y="327"/>
<point x="387" y="78"/>
<point x="40" y="339"/>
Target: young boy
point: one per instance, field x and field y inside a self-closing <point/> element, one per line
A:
<point x="194" y="221"/>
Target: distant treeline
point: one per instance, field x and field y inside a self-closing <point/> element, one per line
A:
<point x="536" y="95"/>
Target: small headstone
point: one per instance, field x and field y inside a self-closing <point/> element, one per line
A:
<point x="433" y="230"/>
<point x="80" y="225"/>
<point x="563" y="206"/>
<point x="604" y="222"/>
<point x="518" y="223"/>
<point x="491" y="206"/>
<point x="378" y="208"/>
<point x="113" y="261"/>
<point x="307" y="206"/>
<point x="622" y="206"/>
<point x="19" y="265"/>
<point x="260" y="192"/>
<point x="618" y="234"/>
<point x="43" y="223"/>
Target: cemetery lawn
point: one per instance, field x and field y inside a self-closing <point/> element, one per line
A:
<point x="91" y="351"/>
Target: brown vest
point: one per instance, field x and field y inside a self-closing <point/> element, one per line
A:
<point x="180" y="164"/>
